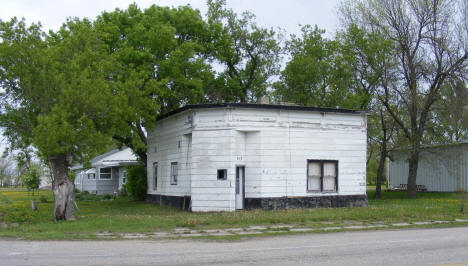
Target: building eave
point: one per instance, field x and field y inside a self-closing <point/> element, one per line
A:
<point x="261" y="106"/>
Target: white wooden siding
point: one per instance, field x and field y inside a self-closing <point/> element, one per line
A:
<point x="273" y="145"/>
<point x="163" y="148"/>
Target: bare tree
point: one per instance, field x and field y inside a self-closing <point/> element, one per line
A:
<point x="430" y="47"/>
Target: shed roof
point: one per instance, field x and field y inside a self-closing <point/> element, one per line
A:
<point x="432" y="146"/>
<point x="261" y="106"/>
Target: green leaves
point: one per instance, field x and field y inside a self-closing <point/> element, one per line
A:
<point x="249" y="56"/>
<point x="59" y="98"/>
<point x="315" y="76"/>
<point x="31" y="179"/>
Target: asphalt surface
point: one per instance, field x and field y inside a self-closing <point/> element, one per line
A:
<point x="390" y="247"/>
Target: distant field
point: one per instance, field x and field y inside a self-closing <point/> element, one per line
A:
<point x="125" y="216"/>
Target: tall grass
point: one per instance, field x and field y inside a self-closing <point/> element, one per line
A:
<point x="123" y="215"/>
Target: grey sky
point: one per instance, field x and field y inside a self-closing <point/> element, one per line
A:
<point x="273" y="13"/>
<point x="286" y="14"/>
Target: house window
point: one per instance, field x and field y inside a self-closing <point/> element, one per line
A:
<point x="124" y="177"/>
<point x="222" y="174"/>
<point x="174" y="170"/>
<point x="322" y="176"/>
<point x="105" y="173"/>
<point x="155" y="176"/>
<point x="91" y="176"/>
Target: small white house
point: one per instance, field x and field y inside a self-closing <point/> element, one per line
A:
<point x="223" y="157"/>
<point x="107" y="172"/>
<point x="441" y="168"/>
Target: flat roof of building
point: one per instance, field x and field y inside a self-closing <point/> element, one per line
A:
<point x="261" y="106"/>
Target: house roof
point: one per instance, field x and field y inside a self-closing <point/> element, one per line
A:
<point x="111" y="158"/>
<point x="260" y="106"/>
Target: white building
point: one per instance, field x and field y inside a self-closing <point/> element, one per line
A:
<point x="223" y="157"/>
<point x="441" y="168"/>
<point x="107" y="172"/>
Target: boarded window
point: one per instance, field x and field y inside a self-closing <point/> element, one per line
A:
<point x="155" y="176"/>
<point x="322" y="175"/>
<point x="222" y="174"/>
<point x="174" y="173"/>
<point x="105" y="173"/>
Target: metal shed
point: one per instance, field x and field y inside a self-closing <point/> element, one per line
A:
<point x="441" y="168"/>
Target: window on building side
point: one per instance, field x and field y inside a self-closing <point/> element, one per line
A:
<point x="174" y="170"/>
<point x="124" y="177"/>
<point x="222" y="174"/>
<point x="91" y="176"/>
<point x="322" y="176"/>
<point x="155" y="176"/>
<point x="105" y="173"/>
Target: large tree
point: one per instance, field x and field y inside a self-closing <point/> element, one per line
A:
<point x="430" y="47"/>
<point x="367" y="59"/>
<point x="246" y="56"/>
<point x="56" y="97"/>
<point x="160" y="66"/>
<point x="315" y="75"/>
<point x="342" y="72"/>
<point x="449" y="121"/>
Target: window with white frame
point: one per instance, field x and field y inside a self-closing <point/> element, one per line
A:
<point x="322" y="175"/>
<point x="174" y="173"/>
<point x="92" y="176"/>
<point x="124" y="177"/>
<point x="155" y="176"/>
<point x="105" y="173"/>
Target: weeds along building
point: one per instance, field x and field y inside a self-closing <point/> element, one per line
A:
<point x="225" y="157"/>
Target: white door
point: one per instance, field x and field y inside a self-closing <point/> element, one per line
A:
<point x="240" y="178"/>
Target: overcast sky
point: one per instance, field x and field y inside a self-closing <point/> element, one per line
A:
<point x="286" y="14"/>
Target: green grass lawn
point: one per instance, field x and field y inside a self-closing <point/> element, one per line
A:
<point x="125" y="216"/>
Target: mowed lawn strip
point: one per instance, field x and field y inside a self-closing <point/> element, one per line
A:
<point x="122" y="215"/>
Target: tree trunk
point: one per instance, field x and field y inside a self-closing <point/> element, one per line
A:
<point x="383" y="155"/>
<point x="33" y="205"/>
<point x="380" y="171"/>
<point x="62" y="187"/>
<point x="413" y="171"/>
<point x="143" y="157"/>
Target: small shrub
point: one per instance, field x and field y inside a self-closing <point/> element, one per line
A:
<point x="107" y="197"/>
<point x="32" y="178"/>
<point x="43" y="199"/>
<point x="85" y="196"/>
<point x="136" y="182"/>
<point x="123" y="192"/>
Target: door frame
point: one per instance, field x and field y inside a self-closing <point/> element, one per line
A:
<point x="243" y="186"/>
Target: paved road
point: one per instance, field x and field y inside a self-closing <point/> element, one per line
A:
<point x="393" y="247"/>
